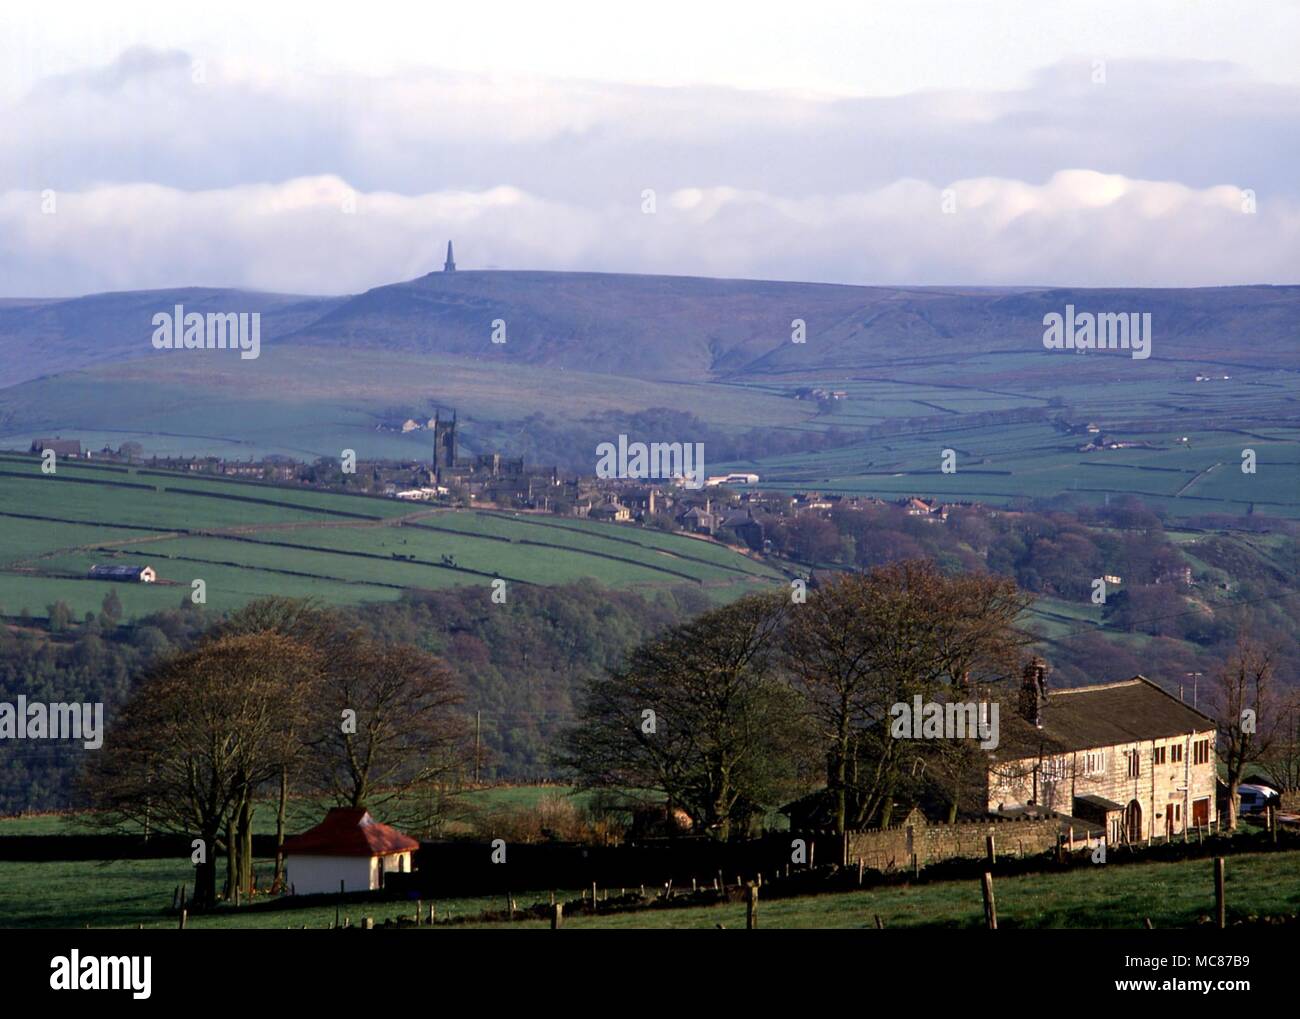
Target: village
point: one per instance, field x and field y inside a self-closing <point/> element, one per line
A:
<point x="730" y="507"/>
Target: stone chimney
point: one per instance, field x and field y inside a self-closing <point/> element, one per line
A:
<point x="1033" y="691"/>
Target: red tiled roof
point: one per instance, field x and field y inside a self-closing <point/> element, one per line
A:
<point x="349" y="831"/>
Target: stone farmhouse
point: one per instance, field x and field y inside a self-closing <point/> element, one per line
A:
<point x="1124" y="756"/>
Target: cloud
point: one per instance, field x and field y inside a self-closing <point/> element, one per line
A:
<point x="318" y="234"/>
<point x="171" y="171"/>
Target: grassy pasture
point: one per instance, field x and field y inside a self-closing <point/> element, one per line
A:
<point x="1171" y="894"/>
<point x="247" y="541"/>
<point x="130" y="892"/>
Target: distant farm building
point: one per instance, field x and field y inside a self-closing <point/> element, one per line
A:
<point x="61" y="447"/>
<point x="611" y="511"/>
<point x="348" y="851"/>
<point x="126" y="574"/>
<point x="735" y="478"/>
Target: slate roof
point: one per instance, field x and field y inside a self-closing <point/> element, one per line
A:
<point x="349" y="831"/>
<point x="1099" y="802"/>
<point x="116" y="572"/>
<point x="1129" y="711"/>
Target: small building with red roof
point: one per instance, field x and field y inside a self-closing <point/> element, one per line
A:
<point x="348" y="851"/>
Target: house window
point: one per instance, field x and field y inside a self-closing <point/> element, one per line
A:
<point x="1158" y="757"/>
<point x="1176" y="753"/>
<point x="1134" y="768"/>
<point x="1094" y="762"/>
<point x="1201" y="751"/>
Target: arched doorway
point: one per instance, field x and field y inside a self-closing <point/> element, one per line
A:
<point x="1133" y="821"/>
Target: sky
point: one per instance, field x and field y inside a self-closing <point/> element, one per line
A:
<point x="328" y="148"/>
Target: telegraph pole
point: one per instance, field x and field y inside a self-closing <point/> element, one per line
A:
<point x="478" y="735"/>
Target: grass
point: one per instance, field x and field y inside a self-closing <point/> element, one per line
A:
<point x="246" y="541"/>
<point x="128" y="893"/>
<point x="1171" y="894"/>
<point x="131" y="892"/>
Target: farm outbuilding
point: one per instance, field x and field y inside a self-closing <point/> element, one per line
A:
<point x="128" y="574"/>
<point x="348" y="851"/>
<point x="61" y="447"/>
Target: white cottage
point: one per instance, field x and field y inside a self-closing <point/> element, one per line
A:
<point x="348" y="851"/>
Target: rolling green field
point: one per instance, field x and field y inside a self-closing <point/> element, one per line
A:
<point x="127" y="893"/>
<point x="1171" y="894"/>
<point x="131" y="892"/>
<point x="1196" y="430"/>
<point x="305" y="402"/>
<point x="247" y="541"/>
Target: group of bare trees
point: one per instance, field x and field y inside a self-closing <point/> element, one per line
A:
<point x="744" y="703"/>
<point x="285" y="699"/>
<point x="752" y="701"/>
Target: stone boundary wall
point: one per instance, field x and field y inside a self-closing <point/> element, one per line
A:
<point x="889" y="848"/>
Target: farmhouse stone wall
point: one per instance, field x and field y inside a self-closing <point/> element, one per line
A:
<point x="1167" y="793"/>
<point x="886" y="848"/>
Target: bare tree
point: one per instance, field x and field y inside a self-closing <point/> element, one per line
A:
<point x="1244" y="705"/>
<point x="1283" y="758"/>
<point x="329" y="635"/>
<point x="868" y="641"/>
<point x="698" y="715"/>
<point x="387" y="730"/>
<point x="197" y="736"/>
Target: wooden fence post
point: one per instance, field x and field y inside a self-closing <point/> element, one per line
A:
<point x="1220" y="906"/>
<point x="991" y="849"/>
<point x="557" y="916"/>
<point x="751" y="907"/>
<point x="990" y="907"/>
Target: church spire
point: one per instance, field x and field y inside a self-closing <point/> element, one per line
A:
<point x="450" y="265"/>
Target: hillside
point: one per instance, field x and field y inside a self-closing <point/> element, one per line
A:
<point x="691" y="328"/>
<point x="587" y="356"/>
<point x="45" y="337"/>
<point x="248" y="541"/>
<point x="658" y="327"/>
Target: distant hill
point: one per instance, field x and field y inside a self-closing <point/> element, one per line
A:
<point x="659" y="327"/>
<point x="686" y="327"/>
<point x="45" y="337"/>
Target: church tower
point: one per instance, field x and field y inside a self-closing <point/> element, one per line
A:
<point x="450" y="264"/>
<point x="444" y="444"/>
